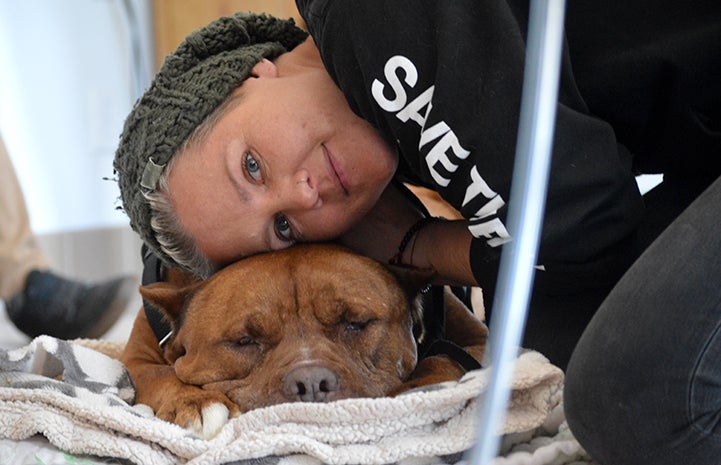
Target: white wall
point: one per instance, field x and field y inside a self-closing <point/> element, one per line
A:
<point x="68" y="78"/>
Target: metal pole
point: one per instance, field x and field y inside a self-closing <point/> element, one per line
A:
<point x="525" y="215"/>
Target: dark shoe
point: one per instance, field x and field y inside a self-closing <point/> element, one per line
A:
<point x="68" y="309"/>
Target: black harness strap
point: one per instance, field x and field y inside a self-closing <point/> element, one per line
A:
<point x="434" y="319"/>
<point x="152" y="273"/>
<point x="433" y="303"/>
<point x="454" y="351"/>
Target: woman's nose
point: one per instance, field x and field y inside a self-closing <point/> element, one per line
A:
<point x="301" y="193"/>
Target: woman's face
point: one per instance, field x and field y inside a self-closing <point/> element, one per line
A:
<point x="288" y="162"/>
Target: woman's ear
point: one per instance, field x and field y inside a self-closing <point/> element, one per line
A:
<point x="264" y="68"/>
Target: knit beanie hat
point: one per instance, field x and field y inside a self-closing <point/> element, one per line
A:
<point x="193" y="81"/>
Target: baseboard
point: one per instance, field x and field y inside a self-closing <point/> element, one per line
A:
<point x="93" y="254"/>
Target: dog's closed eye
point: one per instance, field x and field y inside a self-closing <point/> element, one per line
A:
<point x="243" y="342"/>
<point x="359" y="325"/>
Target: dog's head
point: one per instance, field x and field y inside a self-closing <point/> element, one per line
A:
<point x="310" y="323"/>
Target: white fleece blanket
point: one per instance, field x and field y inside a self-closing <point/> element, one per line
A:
<point x="82" y="401"/>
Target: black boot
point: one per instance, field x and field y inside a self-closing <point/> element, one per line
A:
<point x="68" y="309"/>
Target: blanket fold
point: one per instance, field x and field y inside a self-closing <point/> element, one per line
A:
<point x="82" y="401"/>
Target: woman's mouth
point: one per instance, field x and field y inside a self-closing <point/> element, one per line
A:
<point x="336" y="172"/>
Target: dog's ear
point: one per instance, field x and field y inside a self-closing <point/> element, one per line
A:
<point x="413" y="280"/>
<point x="169" y="298"/>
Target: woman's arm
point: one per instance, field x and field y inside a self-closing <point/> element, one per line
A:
<point x="445" y="248"/>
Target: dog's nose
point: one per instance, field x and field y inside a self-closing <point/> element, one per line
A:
<point x="310" y="384"/>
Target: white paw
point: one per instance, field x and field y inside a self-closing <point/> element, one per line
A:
<point x="213" y="418"/>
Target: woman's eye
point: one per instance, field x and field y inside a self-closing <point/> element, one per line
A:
<point x="283" y="229"/>
<point x="252" y="167"/>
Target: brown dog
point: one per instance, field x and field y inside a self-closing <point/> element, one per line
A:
<point x="312" y="323"/>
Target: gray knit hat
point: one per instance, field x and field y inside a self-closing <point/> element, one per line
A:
<point x="193" y="81"/>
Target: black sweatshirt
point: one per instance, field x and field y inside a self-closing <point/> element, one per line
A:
<point x="441" y="81"/>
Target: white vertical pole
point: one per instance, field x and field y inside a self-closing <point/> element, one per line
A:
<point x="525" y="216"/>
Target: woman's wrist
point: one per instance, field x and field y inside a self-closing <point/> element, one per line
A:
<point x="444" y="247"/>
<point x="407" y="245"/>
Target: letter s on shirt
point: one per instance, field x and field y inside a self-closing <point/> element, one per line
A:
<point x="392" y="66"/>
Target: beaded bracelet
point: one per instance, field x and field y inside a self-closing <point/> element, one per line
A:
<point x="397" y="259"/>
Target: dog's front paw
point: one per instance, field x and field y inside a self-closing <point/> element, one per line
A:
<point x="202" y="412"/>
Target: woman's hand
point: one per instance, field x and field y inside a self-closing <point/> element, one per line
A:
<point x="380" y="232"/>
<point x="442" y="247"/>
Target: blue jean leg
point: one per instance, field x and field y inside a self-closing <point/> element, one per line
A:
<point x="644" y="383"/>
